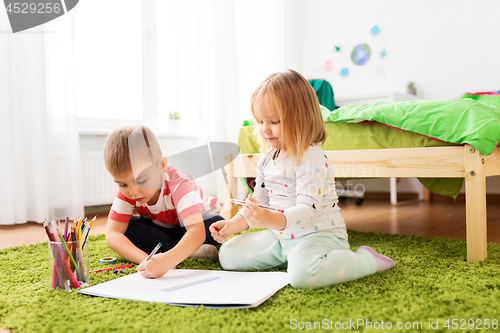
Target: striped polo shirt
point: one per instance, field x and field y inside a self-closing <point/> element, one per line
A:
<point x="180" y="197"/>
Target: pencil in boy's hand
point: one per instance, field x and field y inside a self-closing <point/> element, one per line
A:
<point x="241" y="202"/>
<point x="154" y="251"/>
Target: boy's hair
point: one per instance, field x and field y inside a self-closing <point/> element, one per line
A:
<point x="291" y="95"/>
<point x="128" y="147"/>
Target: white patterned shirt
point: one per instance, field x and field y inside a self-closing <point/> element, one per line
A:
<point x="306" y="193"/>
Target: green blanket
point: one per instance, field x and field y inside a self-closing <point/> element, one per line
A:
<point x="484" y="98"/>
<point x="456" y="121"/>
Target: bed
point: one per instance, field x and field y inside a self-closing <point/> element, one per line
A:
<point x="452" y="142"/>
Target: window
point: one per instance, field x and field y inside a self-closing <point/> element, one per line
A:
<point x="127" y="65"/>
<point x="108" y="60"/>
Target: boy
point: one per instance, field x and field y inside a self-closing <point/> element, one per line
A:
<point x="172" y="208"/>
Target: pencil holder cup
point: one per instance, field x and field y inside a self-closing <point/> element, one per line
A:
<point x="68" y="264"/>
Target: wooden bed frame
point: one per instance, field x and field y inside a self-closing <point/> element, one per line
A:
<point x="436" y="162"/>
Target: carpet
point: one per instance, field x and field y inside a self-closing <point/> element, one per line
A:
<point x="431" y="285"/>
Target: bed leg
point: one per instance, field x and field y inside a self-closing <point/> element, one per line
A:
<point x="394" y="190"/>
<point x="475" y="201"/>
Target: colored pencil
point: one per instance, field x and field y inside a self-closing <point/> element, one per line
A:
<point x="88" y="230"/>
<point x="154" y="251"/>
<point x="241" y="202"/>
<point x="66" y="228"/>
<point x="67" y="250"/>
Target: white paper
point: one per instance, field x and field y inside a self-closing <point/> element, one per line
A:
<point x="195" y="287"/>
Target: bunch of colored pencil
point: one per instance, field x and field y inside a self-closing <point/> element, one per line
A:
<point x="68" y="253"/>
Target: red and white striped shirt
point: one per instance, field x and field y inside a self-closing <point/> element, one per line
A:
<point x="180" y="197"/>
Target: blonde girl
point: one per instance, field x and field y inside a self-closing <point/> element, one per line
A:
<point x="309" y="238"/>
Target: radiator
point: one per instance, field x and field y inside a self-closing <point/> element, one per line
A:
<point x="98" y="186"/>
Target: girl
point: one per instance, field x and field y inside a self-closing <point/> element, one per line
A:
<point x="294" y="175"/>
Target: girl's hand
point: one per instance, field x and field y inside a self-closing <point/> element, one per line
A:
<point x="222" y="230"/>
<point x="258" y="217"/>
<point x="155" y="267"/>
<point x="254" y="215"/>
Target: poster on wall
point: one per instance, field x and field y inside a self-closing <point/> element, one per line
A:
<point x="361" y="55"/>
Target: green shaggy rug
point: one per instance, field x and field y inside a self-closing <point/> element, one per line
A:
<point x="432" y="288"/>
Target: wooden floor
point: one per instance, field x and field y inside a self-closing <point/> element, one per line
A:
<point x="431" y="219"/>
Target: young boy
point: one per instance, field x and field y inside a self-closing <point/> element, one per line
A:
<point x="173" y="210"/>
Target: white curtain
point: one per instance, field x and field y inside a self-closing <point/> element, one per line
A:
<point x="197" y="68"/>
<point x="40" y="160"/>
<point x="218" y="84"/>
<point x="197" y="73"/>
<point x="219" y="81"/>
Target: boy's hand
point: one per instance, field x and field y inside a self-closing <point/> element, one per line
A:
<point x="222" y="230"/>
<point x="258" y="217"/>
<point x="155" y="267"/>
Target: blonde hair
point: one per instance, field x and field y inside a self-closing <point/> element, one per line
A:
<point x="291" y="95"/>
<point x="127" y="147"/>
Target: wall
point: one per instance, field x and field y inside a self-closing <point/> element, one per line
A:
<point x="445" y="47"/>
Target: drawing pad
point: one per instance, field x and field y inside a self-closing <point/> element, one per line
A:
<point x="214" y="289"/>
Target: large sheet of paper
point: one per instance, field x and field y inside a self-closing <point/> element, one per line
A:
<point x="218" y="289"/>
